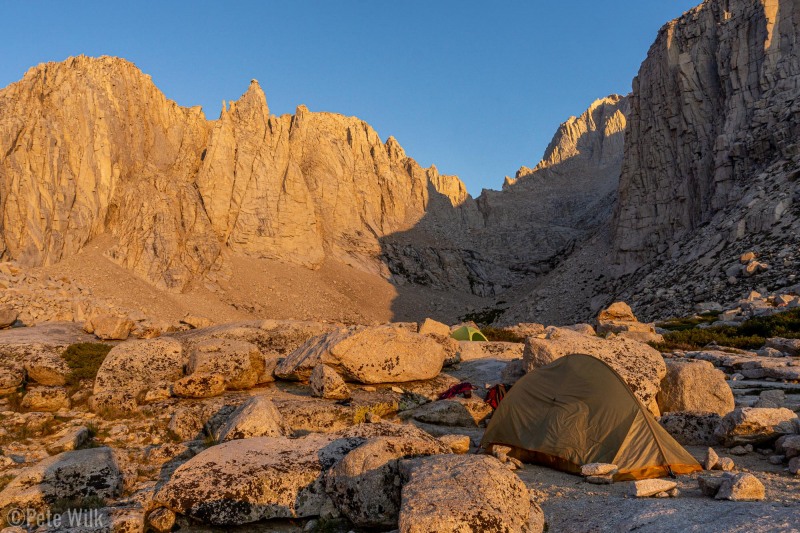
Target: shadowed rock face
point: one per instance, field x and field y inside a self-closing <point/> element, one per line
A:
<point x="543" y="212"/>
<point x="710" y="170"/>
<point x="714" y="104"/>
<point x="526" y="229"/>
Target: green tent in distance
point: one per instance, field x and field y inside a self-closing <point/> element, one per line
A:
<point x="468" y="333"/>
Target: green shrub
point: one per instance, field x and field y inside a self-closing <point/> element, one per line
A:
<point x="680" y="324"/>
<point x="749" y="335"/>
<point x="84" y="360"/>
<point x="484" y="317"/>
<point x="786" y="324"/>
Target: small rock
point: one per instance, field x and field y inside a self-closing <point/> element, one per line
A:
<point x="326" y="383"/>
<point x="109" y="327"/>
<point x="711" y="459"/>
<point x="69" y="439"/>
<point x="258" y="417"/>
<point x="163" y="453"/>
<point x="776" y="459"/>
<point x="45" y="399"/>
<point x="7" y="316"/>
<point x="196" y="321"/>
<point x="516" y="462"/>
<point x="398" y="390"/>
<point x="709" y="485"/>
<point x="46" y="367"/>
<point x="754" y="267"/>
<point x="368" y="388"/>
<point x="598" y="469"/>
<point x="457" y="443"/>
<point x="752" y="425"/>
<point x="186" y="424"/>
<point x="674" y="493"/>
<point x="741" y="488"/>
<point x="788" y="445"/>
<point x="725" y="464"/>
<point x="458" y="412"/>
<point x="11" y="377"/>
<point x="161" y="519"/>
<point x="585" y="329"/>
<point x="430" y="326"/>
<point x="787" y="346"/>
<point x="646" y="488"/>
<point x="794" y="465"/>
<point x="771" y="398"/>
<point x="738" y="450"/>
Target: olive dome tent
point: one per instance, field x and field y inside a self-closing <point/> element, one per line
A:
<point x="468" y="333"/>
<point x="578" y="410"/>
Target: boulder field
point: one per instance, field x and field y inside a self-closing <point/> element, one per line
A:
<point x="285" y="424"/>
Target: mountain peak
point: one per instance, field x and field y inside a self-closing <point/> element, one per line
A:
<point x="252" y="101"/>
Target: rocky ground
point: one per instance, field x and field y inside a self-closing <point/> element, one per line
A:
<point x="278" y="425"/>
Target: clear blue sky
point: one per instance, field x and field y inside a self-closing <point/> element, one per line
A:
<point x="477" y="90"/>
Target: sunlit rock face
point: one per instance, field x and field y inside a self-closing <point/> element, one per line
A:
<point x="91" y="146"/>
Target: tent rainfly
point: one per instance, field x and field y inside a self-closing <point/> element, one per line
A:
<point x="468" y="333"/>
<point x="578" y="410"/>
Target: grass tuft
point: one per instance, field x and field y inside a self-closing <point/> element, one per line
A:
<point x="62" y="505"/>
<point x="381" y="409"/>
<point x="84" y="360"/>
